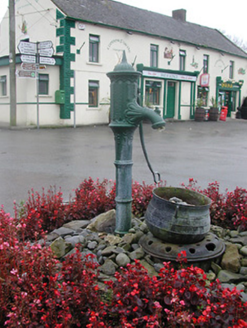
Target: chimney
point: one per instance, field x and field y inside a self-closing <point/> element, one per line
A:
<point x="179" y="14"/>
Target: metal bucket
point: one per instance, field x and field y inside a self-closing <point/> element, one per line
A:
<point x="178" y="223"/>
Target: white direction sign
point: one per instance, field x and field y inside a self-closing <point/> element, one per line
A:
<point x="46" y="52"/>
<point x="45" y="45"/>
<point x="47" y="60"/>
<point x="27" y="74"/>
<point x="28" y="59"/>
<point x="27" y="48"/>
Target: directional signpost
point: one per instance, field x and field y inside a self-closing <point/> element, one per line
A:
<point x="34" y="56"/>
<point x="28" y="59"/>
<point x="29" y="74"/>
<point x="27" y="48"/>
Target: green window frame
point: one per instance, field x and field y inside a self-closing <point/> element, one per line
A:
<point x="154" y="50"/>
<point x="93" y="93"/>
<point x="205" y="63"/>
<point x="231" y="69"/>
<point x="94" y="41"/>
<point x="43" y="84"/>
<point x="3" y="89"/>
<point x="152" y="93"/>
<point x="182" y="56"/>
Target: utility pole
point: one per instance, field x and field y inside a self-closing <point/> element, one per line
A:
<point x="12" y="63"/>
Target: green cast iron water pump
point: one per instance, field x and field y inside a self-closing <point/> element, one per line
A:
<point x="126" y="114"/>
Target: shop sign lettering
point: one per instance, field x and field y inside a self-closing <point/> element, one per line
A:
<point x="227" y="85"/>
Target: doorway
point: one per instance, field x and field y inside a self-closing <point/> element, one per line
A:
<point x="171" y="92"/>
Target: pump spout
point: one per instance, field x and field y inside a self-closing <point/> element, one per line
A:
<point x="135" y="113"/>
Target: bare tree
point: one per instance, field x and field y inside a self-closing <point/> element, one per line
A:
<point x="238" y="41"/>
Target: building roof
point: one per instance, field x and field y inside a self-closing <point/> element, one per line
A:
<point x="119" y="15"/>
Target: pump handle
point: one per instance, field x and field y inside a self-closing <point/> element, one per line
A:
<point x="154" y="173"/>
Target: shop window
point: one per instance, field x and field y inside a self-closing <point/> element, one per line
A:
<point x="182" y="56"/>
<point x="3" y="86"/>
<point x="231" y="68"/>
<point x="154" y="55"/>
<point x="94" y="48"/>
<point x="43" y="84"/>
<point x="202" y="93"/>
<point x="93" y="93"/>
<point x="205" y="63"/>
<point x="152" y="93"/>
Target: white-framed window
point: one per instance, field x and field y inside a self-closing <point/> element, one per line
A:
<point x="154" y="50"/>
<point x="231" y="69"/>
<point x="94" y="41"/>
<point x="205" y="63"/>
<point x="93" y="93"/>
<point x="3" y="85"/>
<point x="182" y="56"/>
<point x="43" y="84"/>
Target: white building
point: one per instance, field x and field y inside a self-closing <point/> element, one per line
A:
<point x="179" y="61"/>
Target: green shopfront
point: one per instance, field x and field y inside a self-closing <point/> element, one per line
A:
<point x="228" y="94"/>
<point x="173" y="92"/>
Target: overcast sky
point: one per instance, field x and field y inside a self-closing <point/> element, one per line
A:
<point x="229" y="17"/>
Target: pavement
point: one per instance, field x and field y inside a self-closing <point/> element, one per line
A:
<point x="64" y="157"/>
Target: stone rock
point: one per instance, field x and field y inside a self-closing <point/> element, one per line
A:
<point x="63" y="231"/>
<point x="243" y="270"/>
<point x="243" y="250"/>
<point x="240" y="287"/>
<point x="108" y="250"/>
<point x="77" y="224"/>
<point x="228" y="276"/>
<point x="92" y="245"/>
<point x="137" y="254"/>
<point x="52" y="236"/>
<point x="215" y="267"/>
<point x="211" y="276"/>
<point x="244" y="297"/>
<point x="58" y="247"/>
<point x="157" y="266"/>
<point x="218" y="231"/>
<point x="231" y="258"/>
<point x="122" y="260"/>
<point x="244" y="262"/>
<point x="105" y="222"/>
<point x="132" y="238"/>
<point x="112" y="239"/>
<point x="233" y="233"/>
<point x="239" y="239"/>
<point x="76" y="240"/>
<point x="150" y="269"/>
<point x="108" y="267"/>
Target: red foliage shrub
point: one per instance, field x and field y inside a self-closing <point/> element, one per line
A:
<point x="229" y="209"/>
<point x="91" y="199"/>
<point x="41" y="213"/>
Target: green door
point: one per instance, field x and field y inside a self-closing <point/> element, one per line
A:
<point x="170" y="100"/>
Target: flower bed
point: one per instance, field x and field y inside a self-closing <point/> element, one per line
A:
<point x="36" y="290"/>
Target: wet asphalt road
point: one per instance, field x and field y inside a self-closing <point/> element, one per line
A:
<point x="206" y="151"/>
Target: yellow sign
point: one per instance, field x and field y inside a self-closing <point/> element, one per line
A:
<point x="227" y="85"/>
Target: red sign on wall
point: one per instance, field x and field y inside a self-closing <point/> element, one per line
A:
<point x="204" y="80"/>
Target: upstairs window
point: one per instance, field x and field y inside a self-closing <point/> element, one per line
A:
<point x="43" y="84"/>
<point x="93" y="93"/>
<point x="3" y="85"/>
<point x="182" y="55"/>
<point x="231" y="69"/>
<point x="94" y="48"/>
<point x="154" y="55"/>
<point x="205" y="63"/>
